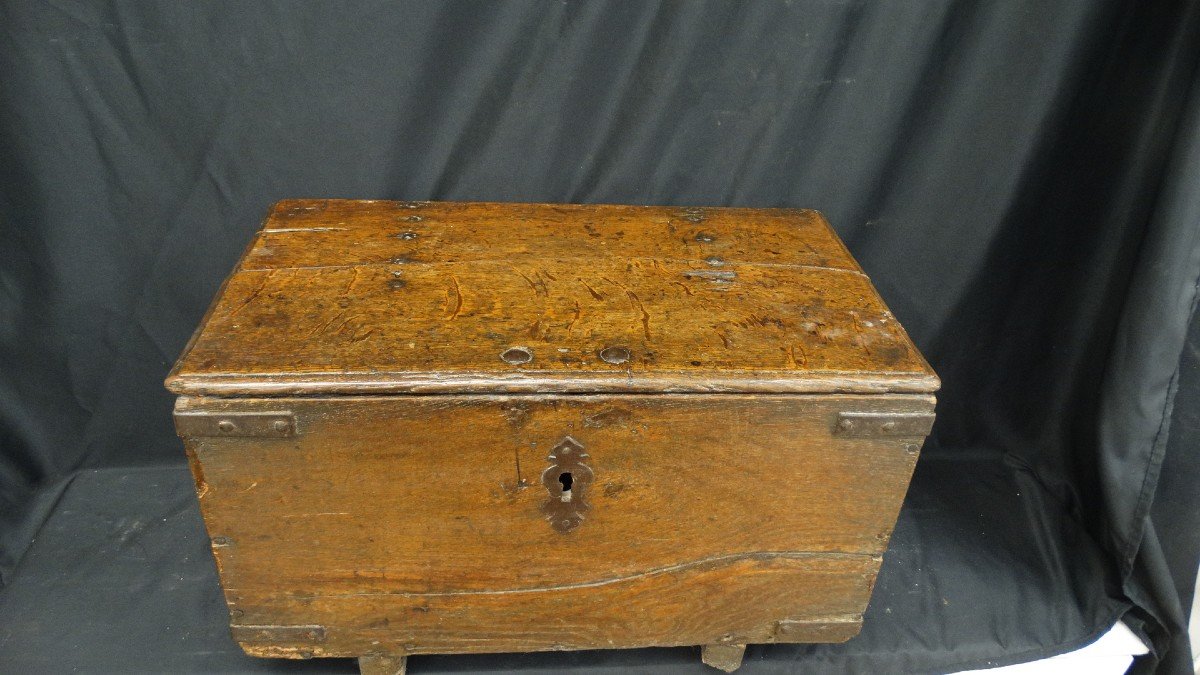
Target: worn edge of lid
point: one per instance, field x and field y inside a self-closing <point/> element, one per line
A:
<point x="547" y="382"/>
<point x="756" y="382"/>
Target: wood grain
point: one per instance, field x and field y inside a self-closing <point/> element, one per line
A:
<point x="469" y="427"/>
<point x="418" y="521"/>
<point x="742" y="602"/>
<point x="320" y="233"/>
<point x="357" y="297"/>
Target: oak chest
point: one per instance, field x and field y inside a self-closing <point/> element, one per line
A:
<point x="424" y="427"/>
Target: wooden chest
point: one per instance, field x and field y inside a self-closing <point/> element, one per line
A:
<point x="425" y="427"/>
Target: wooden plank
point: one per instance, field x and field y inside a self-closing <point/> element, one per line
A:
<point x="687" y="508"/>
<point x="741" y="602"/>
<point x="330" y="300"/>
<point x="311" y="233"/>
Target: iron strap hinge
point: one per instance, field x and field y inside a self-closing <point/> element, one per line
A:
<point x="278" y="634"/>
<point x="272" y="424"/>
<point x="883" y="424"/>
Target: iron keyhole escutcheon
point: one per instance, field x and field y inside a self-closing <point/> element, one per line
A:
<point x="566" y="481"/>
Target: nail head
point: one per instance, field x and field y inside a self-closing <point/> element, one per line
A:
<point x="516" y="355"/>
<point x="615" y="355"/>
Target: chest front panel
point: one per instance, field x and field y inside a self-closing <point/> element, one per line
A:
<point x="418" y="524"/>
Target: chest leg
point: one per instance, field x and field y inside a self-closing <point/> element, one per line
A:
<point x="382" y="665"/>
<point x="723" y="657"/>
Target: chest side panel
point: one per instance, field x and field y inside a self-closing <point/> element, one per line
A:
<point x="439" y="524"/>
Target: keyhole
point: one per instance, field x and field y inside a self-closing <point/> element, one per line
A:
<point x="566" y="480"/>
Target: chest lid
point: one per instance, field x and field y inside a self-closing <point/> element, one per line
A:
<point x="374" y="297"/>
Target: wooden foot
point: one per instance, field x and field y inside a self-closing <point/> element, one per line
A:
<point x="382" y="665"/>
<point x="723" y="657"/>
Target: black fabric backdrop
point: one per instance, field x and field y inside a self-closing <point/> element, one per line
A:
<point x="1020" y="179"/>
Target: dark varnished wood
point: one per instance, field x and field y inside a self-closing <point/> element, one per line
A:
<point x="442" y="428"/>
<point x="354" y="297"/>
